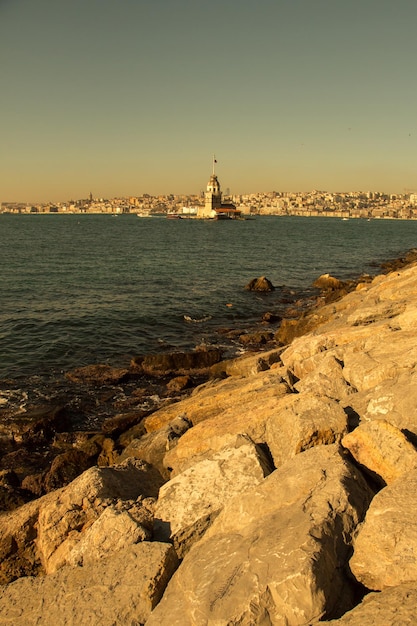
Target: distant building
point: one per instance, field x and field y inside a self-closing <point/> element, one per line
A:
<point x="213" y="207"/>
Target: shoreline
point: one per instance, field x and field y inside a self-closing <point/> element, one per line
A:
<point x="293" y="464"/>
<point x="96" y="402"/>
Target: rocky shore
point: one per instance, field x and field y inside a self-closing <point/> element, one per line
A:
<point x="279" y="490"/>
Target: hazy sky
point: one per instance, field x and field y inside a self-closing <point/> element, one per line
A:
<point x="124" y="97"/>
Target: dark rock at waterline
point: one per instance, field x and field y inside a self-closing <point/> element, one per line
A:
<point x="179" y="383"/>
<point x="115" y="426"/>
<point x="97" y="374"/>
<point x="35" y="425"/>
<point x="64" y="468"/>
<point x="260" y="284"/>
<point x="327" y="282"/>
<point x="271" y="318"/>
<point x="176" y="362"/>
<point x="256" y="339"/>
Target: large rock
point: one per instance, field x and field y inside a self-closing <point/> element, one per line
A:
<point x="260" y="284"/>
<point x="391" y="607"/>
<point x="302" y="421"/>
<point x="382" y="449"/>
<point x="97" y="375"/>
<point x="241" y="407"/>
<point x="153" y="446"/>
<point x="326" y="378"/>
<point x="275" y="554"/>
<point x="188" y="503"/>
<point x="40" y="535"/>
<point x="385" y="549"/>
<point x="119" y="590"/>
<point x="177" y="362"/>
<point x="63" y="522"/>
<point x="220" y="396"/>
<point x="393" y="400"/>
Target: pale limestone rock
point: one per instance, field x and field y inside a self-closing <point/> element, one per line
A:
<point x="77" y="506"/>
<point x="366" y="370"/>
<point x="381" y="448"/>
<point x="385" y="549"/>
<point x="275" y="554"/>
<point x="112" y="531"/>
<point x="152" y="446"/>
<point x="239" y="414"/>
<point x="302" y="421"/>
<point x="189" y="502"/>
<point x="396" y="606"/>
<point x="393" y="400"/>
<point x="18" y="555"/>
<point x="229" y="395"/>
<point x="247" y="365"/>
<point x="326" y="379"/>
<point x="119" y="590"/>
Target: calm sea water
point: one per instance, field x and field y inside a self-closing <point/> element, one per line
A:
<point x="81" y="289"/>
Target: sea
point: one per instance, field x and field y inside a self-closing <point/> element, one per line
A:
<point x="85" y="289"/>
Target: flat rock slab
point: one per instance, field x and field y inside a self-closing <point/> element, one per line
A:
<point x="276" y="553"/>
<point x="120" y="590"/>
<point x="385" y="549"/>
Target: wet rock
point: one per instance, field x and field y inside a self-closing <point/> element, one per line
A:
<point x="179" y="383"/>
<point x="177" y="362"/>
<point x="327" y="282"/>
<point x="34" y="426"/>
<point x="114" y="426"/>
<point x="97" y="375"/>
<point x="259" y="338"/>
<point x="271" y="318"/>
<point x="260" y="284"/>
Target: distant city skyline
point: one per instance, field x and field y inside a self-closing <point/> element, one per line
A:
<point x="128" y="98"/>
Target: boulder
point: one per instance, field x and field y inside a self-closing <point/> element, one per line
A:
<point x="153" y="446"/>
<point x="122" y="589"/>
<point x="275" y="554"/>
<point x="177" y="362"/>
<point x="326" y="378"/>
<point x="40" y="535"/>
<point x="385" y="548"/>
<point x="260" y="284"/>
<point x="97" y="375"/>
<point x="237" y="409"/>
<point x="34" y="426"/>
<point x="247" y="365"/>
<point x="188" y="503"/>
<point x="61" y="524"/>
<point x="115" y="426"/>
<point x="220" y="396"/>
<point x="382" y="449"/>
<point x="393" y="400"/>
<point x="115" y="529"/>
<point x="395" y="606"/>
<point x="303" y="421"/>
<point x="328" y="283"/>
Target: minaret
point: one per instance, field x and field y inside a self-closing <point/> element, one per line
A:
<point x="213" y="195"/>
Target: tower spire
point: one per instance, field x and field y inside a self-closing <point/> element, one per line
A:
<point x="214" y="163"/>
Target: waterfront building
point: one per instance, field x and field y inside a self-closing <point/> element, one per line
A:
<point x="213" y="207"/>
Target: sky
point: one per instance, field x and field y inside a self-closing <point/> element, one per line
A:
<point x="126" y="97"/>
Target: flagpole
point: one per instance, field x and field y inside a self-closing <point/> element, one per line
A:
<point x="214" y="161"/>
